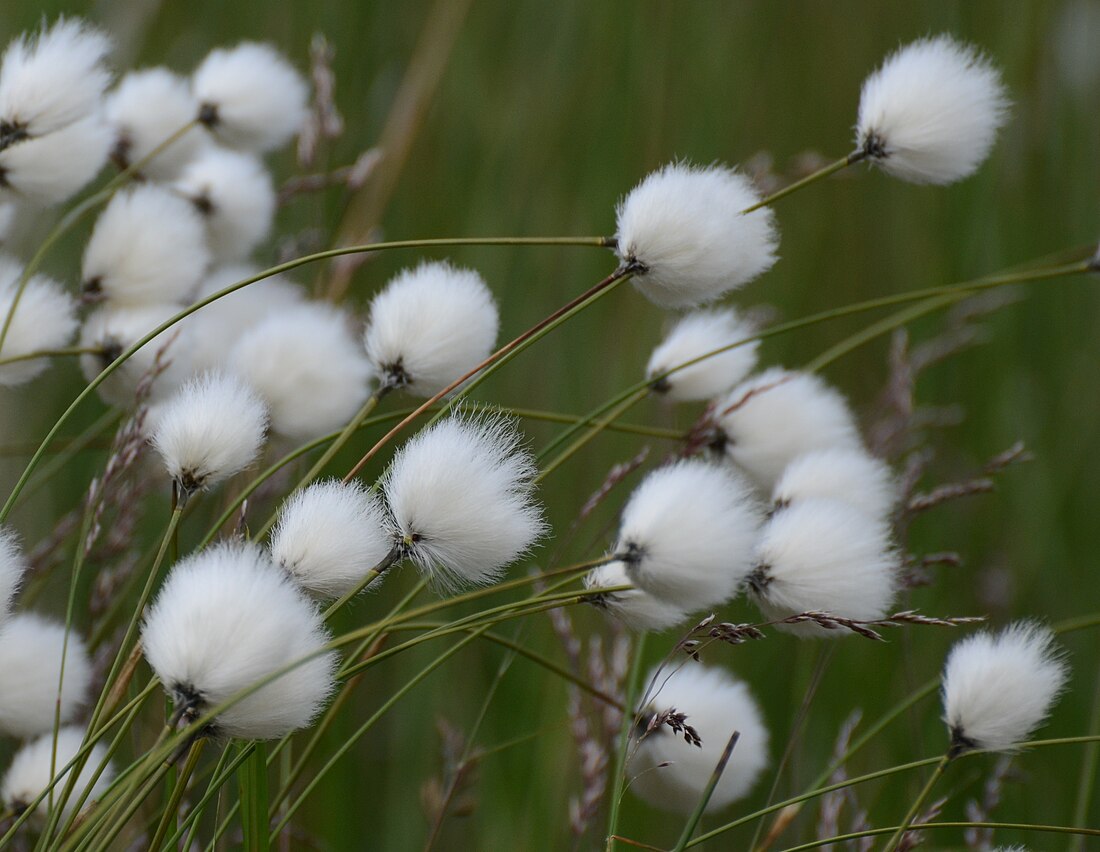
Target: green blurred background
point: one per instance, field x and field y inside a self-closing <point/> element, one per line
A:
<point x="546" y="113"/>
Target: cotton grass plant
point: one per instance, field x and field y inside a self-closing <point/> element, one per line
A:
<point x="227" y="579"/>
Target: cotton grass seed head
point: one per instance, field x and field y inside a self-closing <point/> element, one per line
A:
<point x="999" y="688"/>
<point x="684" y="229"/>
<point x="234" y="193"/>
<point x="460" y="493"/>
<point x="330" y="535"/>
<point x="45" y="318"/>
<point x="208" y="430"/>
<point x="30" y="773"/>
<point x="430" y="325"/>
<point x="634" y="607"/>
<point x="227" y="618"/>
<point x="672" y="774"/>
<point x="308" y="366"/>
<point x="824" y="555"/>
<point x="931" y="113"/>
<point x="31" y="649"/>
<point x="695" y="335"/>
<point x="250" y="96"/>
<point x="12" y="568"/>
<point x="849" y="474"/>
<point x="687" y="533"/>
<point x="771" y="419"/>
<point x="45" y="170"/>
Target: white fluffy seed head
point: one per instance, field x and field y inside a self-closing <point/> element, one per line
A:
<point x="45" y="318"/>
<point x="12" y="568"/>
<point x="824" y="555"/>
<point x="931" y="113"/>
<point x="330" y="535"/>
<point x="851" y="475"/>
<point x="250" y="96"/>
<point x="430" y="325"/>
<point x="31" y="649"/>
<point x="227" y="618"/>
<point x="773" y="418"/>
<point x="687" y="534"/>
<point x="48" y="169"/>
<point x="684" y="226"/>
<point x="147" y="108"/>
<point x="148" y="246"/>
<point x="461" y="496"/>
<point x="697" y="334"/>
<point x="309" y="367"/>
<point x="236" y="197"/>
<point x="208" y="430"/>
<point x="671" y="774"/>
<point x="635" y="607"/>
<point x="999" y="688"/>
<point x="30" y="773"/>
<point x="54" y="78"/>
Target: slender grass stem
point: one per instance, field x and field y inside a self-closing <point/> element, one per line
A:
<point x="823" y="172"/>
<point x="597" y="427"/>
<point x="168" y="815"/>
<point x="51" y="353"/>
<point x="927" y="826"/>
<point x="1086" y="780"/>
<point x="630" y="717"/>
<point x="918" y="803"/>
<point x="708" y="791"/>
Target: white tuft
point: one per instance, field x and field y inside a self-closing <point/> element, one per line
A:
<point x="55" y="78"/>
<point x="44" y="319"/>
<point x="429" y="326"/>
<point x="685" y="227"/>
<point x="635" y="607"/>
<point x="31" y="648"/>
<point x="997" y="689"/>
<point x="227" y="618"/>
<point x="461" y="495"/>
<point x="148" y="246"/>
<point x="823" y="555"/>
<point x="308" y="366"/>
<point x="146" y="109"/>
<point x="234" y="192"/>
<point x="36" y="763"/>
<point x="687" y="534"/>
<point x="330" y="535"/>
<point x="48" y="169"/>
<point x="698" y="334"/>
<point x="210" y="429"/>
<point x="849" y="474"/>
<point x="255" y="99"/>
<point x="776" y="416"/>
<point x="931" y="113"/>
<point x="12" y="568"/>
<point x="671" y="774"/>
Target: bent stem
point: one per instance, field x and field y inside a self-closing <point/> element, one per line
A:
<point x="914" y="808"/>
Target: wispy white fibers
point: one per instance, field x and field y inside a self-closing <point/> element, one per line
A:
<point x="849" y="474"/>
<point x="308" y="365"/>
<point x="227" y="618"/>
<point x="697" y="334"/>
<point x="35" y="764"/>
<point x="147" y="108"/>
<point x="48" y="169"/>
<point x="148" y="246"/>
<point x="683" y="225"/>
<point x="430" y="325"/>
<point x="998" y="688"/>
<point x="44" y="319"/>
<point x="209" y="429"/>
<point x="52" y="79"/>
<point x="251" y="96"/>
<point x="12" y="568"/>
<point x="769" y="420"/>
<point x="635" y="607"/>
<point x="30" y="672"/>
<point x="687" y="533"/>
<point x="460" y="493"/>
<point x="236" y="197"/>
<point x="671" y="774"/>
<point x="329" y="535"/>
<point x="931" y="113"/>
<point x="824" y="555"/>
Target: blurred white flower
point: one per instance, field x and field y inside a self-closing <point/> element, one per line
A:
<point x="45" y="318"/>
<point x="12" y="568"/>
<point x="697" y="334"/>
<point x="49" y="169"/>
<point x="36" y="763"/>
<point x="635" y="607"/>
<point x="850" y="474"/>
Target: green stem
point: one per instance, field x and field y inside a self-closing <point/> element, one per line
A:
<point x="925" y="826"/>
<point x="633" y="686"/>
<point x="51" y="353"/>
<point x="823" y="172"/>
<point x="168" y="816"/>
<point x="1087" y="777"/>
<point x="388" y="561"/>
<point x="918" y="803"/>
<point x="596" y="429"/>
<point x="254" y="799"/>
<point x="708" y="791"/>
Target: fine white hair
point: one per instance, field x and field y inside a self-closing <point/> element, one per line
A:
<point x="999" y="688"/>
<point x="693" y="336"/>
<point x="430" y="325"/>
<point x="226" y="619"/>
<point x="672" y="774"/>
<point x="12" y="568"/>
<point x="931" y="113"/>
<point x="37" y="763"/>
<point x="850" y="474"/>
<point x="44" y="319"/>
<point x="684" y="229"/>
<point x="635" y="607"/>
<point x="460" y="493"/>
<point x="45" y="170"/>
